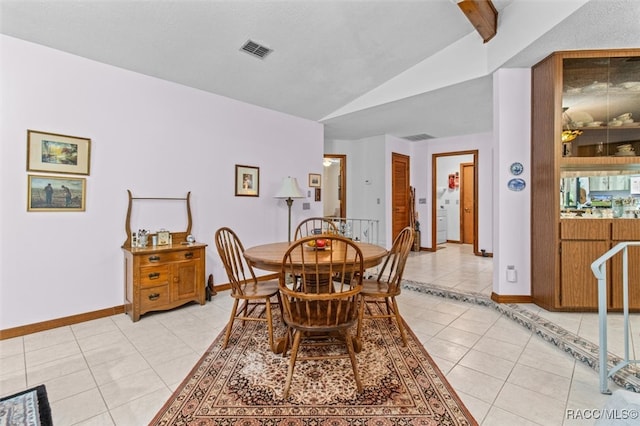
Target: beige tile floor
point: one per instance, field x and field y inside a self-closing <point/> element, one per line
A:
<point x="114" y="372"/>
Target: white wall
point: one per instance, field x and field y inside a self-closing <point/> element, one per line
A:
<point x="512" y="217"/>
<point x="150" y="136"/>
<point x="421" y="178"/>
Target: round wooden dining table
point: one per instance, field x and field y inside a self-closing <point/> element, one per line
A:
<point x="269" y="256"/>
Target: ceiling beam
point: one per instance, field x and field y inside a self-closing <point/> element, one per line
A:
<point x="483" y="15"/>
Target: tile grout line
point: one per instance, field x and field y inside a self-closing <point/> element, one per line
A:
<point x="578" y="347"/>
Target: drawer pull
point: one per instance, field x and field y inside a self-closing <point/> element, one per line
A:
<point x="154" y="296"/>
<point x="154" y="258"/>
<point x="154" y="275"/>
<point x="188" y="255"/>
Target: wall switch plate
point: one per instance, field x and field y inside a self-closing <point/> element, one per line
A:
<point x="306" y="206"/>
<point x="422" y="201"/>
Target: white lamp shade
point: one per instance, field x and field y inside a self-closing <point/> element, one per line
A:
<point x="289" y="189"/>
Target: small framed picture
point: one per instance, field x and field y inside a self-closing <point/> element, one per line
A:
<point x="315" y="180"/>
<point x="56" y="194"/>
<point x="54" y="153"/>
<point x="318" y="196"/>
<point x="247" y="181"/>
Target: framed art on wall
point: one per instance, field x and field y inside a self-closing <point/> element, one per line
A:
<point x="315" y="180"/>
<point x="56" y="194"/>
<point x="247" y="181"/>
<point x="51" y="152"/>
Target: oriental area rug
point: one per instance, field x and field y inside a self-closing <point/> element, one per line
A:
<point x="243" y="385"/>
<point x="26" y="408"/>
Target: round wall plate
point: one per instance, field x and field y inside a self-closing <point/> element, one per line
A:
<point x="516" y="168"/>
<point x="516" y="184"/>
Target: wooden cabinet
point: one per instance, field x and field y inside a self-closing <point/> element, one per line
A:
<point x="625" y="230"/>
<point x="585" y="92"/>
<point x="582" y="241"/>
<point x="163" y="278"/>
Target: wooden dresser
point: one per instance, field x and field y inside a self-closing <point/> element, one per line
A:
<point x="163" y="277"/>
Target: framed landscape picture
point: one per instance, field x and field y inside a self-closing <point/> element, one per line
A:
<point x="56" y="194"/>
<point x="247" y="181"/>
<point x="51" y="152"/>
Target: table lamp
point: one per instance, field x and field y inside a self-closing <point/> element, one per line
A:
<point x="288" y="191"/>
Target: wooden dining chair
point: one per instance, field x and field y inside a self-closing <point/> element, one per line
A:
<point x="254" y="292"/>
<point x="387" y="285"/>
<point x="315" y="226"/>
<point x="322" y="305"/>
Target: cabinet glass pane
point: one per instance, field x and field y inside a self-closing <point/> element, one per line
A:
<point x="601" y="106"/>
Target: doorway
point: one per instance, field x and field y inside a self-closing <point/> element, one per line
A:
<point x="334" y="185"/>
<point x="459" y="167"/>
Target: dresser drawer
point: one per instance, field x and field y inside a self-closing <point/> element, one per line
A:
<point x="153" y="298"/>
<point x="154" y="275"/>
<point x="170" y="256"/>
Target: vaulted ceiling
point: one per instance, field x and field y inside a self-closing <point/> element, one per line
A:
<point x="363" y="68"/>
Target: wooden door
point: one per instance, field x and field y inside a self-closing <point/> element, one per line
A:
<point x="467" y="207"/>
<point x="187" y="279"/>
<point x="400" y="193"/>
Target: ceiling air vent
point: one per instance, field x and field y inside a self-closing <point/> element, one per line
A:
<point x="255" y="49"/>
<point x="418" y="137"/>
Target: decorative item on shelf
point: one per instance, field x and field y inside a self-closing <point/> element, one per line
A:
<point x="569" y="135"/>
<point x="288" y="191"/>
<point x="143" y="236"/>
<point x="625" y="150"/>
<point x="163" y="237"/>
<point x="624" y="207"/>
<point x="569" y="132"/>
